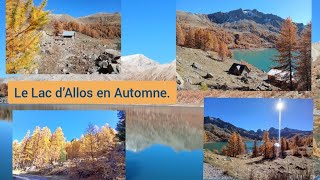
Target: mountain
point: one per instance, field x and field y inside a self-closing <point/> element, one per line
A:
<point x="272" y="22"/>
<point x="101" y="17"/>
<point x="240" y="28"/>
<point x="219" y="130"/>
<point x="62" y="17"/>
<point x="90" y="19"/>
<point x="140" y="67"/>
<point x="222" y="130"/>
<point x="288" y="133"/>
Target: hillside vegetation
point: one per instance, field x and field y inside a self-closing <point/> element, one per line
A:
<point x="218" y="33"/>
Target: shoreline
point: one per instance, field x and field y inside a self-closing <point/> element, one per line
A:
<point x="251" y="49"/>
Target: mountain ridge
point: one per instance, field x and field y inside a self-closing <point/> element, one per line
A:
<point x="111" y="18"/>
<point x="254" y="15"/>
<point x="221" y="130"/>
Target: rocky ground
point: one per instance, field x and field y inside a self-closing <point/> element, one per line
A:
<point x="316" y="166"/>
<point x="111" y="166"/>
<point x="212" y="173"/>
<point x="197" y="69"/>
<point x="81" y="55"/>
<point x="134" y="67"/>
<point x="187" y="96"/>
<point x="244" y="167"/>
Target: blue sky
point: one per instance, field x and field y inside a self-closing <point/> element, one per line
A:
<point x="149" y="28"/>
<point x="299" y="10"/>
<point x="316" y="21"/>
<point x="72" y="122"/>
<point x="253" y="114"/>
<point x="78" y="8"/>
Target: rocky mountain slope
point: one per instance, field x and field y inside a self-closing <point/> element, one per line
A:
<point x="270" y="21"/>
<point x="79" y="55"/>
<point x="242" y="28"/>
<point x="219" y="130"/>
<point x="198" y="69"/>
<point x="103" y="18"/>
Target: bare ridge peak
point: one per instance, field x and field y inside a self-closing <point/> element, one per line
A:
<point x="138" y="59"/>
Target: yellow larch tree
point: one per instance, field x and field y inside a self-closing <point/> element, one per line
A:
<point x="35" y="140"/>
<point x="43" y="153"/>
<point x="57" y="146"/>
<point x="26" y="152"/>
<point x="15" y="154"/>
<point x="23" y="24"/>
<point x="90" y="142"/>
<point x="106" y="139"/>
<point x="73" y="149"/>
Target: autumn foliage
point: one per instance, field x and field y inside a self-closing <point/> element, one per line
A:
<point x="235" y="146"/>
<point x="205" y="39"/>
<point x="42" y="148"/>
<point x="291" y="146"/>
<point x="23" y="24"/>
<point x="286" y="45"/>
<point x="39" y="149"/>
<point x="94" y="30"/>
<point x="3" y="90"/>
<point x="304" y="59"/>
<point x="295" y="55"/>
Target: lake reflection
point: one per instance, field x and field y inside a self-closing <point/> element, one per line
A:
<point x="162" y="142"/>
<point x="5" y="148"/>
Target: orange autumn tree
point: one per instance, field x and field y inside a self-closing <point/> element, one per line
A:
<point x="23" y="24"/>
<point x="190" y="39"/>
<point x="57" y="28"/>
<point x="265" y="139"/>
<point x="304" y="59"/>
<point x="255" y="151"/>
<point x="287" y="45"/>
<point x="235" y="146"/>
<point x="180" y="37"/>
<point x="284" y="146"/>
<point x="209" y="41"/>
<point x="223" y="50"/>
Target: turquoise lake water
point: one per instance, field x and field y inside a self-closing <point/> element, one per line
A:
<point x="261" y="59"/>
<point x="219" y="145"/>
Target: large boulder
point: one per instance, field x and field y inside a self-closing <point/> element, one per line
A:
<point x="108" y="62"/>
<point x="208" y="76"/>
<point x="180" y="81"/>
